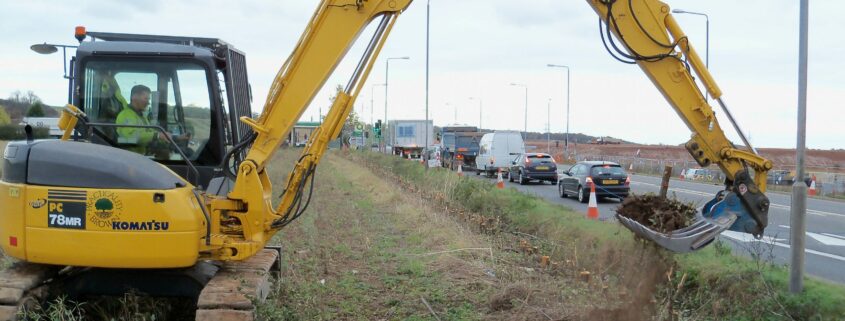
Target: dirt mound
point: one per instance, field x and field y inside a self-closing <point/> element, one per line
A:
<point x="504" y="301"/>
<point x="659" y="214"/>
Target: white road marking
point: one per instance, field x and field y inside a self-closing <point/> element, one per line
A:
<point x="740" y="237"/>
<point x="824" y="238"/>
<point x="834" y="235"/>
<point x="827" y="240"/>
<point x="745" y="237"/>
<point x="809" y="211"/>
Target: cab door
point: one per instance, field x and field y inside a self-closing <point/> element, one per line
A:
<point x="570" y="182"/>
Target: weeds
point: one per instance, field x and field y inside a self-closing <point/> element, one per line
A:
<point x="59" y="309"/>
<point x="130" y="307"/>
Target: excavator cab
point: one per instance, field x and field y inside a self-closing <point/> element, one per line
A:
<point x="197" y="92"/>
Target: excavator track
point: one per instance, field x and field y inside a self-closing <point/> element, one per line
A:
<point x="230" y="295"/>
<point x="21" y="285"/>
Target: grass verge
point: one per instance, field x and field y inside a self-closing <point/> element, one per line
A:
<point x="375" y="249"/>
<point x="711" y="284"/>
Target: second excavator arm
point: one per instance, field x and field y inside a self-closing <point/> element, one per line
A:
<point x="651" y="38"/>
<point x="245" y="220"/>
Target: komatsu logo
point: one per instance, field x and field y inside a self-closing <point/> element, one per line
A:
<point x="140" y="226"/>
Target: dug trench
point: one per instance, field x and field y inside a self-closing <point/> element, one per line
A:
<point x="375" y="246"/>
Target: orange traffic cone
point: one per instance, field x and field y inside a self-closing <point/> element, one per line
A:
<point x="500" y="183"/>
<point x="460" y="171"/>
<point x="812" y="190"/>
<point x="593" y="206"/>
<point x="682" y="173"/>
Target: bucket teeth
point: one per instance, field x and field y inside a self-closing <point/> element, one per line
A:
<point x="688" y="239"/>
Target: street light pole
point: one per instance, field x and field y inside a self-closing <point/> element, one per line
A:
<point x="566" y="141"/>
<point x="427" y="32"/>
<point x="549" y="127"/>
<point x="525" y="136"/>
<point x="707" y="41"/>
<point x="386" y="77"/>
<point x="798" y="211"/>
<point x="479" y="111"/>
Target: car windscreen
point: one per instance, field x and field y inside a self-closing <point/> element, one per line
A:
<point x="607" y="170"/>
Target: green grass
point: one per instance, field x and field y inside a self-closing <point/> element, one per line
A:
<point x="717" y="285"/>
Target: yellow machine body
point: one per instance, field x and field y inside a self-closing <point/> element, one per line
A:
<point x="101" y="227"/>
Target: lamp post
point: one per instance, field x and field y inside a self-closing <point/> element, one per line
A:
<point x="566" y="139"/>
<point x="479" y="111"/>
<point x="707" y="41"/>
<point x="386" y="78"/>
<point x="549" y="127"/>
<point x="427" y="32"/>
<point x="456" y="112"/>
<point x="798" y="210"/>
<point x="526" y="107"/>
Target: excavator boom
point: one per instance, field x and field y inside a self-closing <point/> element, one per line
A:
<point x="650" y="37"/>
<point x="334" y="27"/>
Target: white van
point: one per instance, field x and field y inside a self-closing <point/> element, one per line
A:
<point x="497" y="150"/>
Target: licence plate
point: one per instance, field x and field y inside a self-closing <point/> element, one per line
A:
<point x="542" y="168"/>
<point x="610" y="182"/>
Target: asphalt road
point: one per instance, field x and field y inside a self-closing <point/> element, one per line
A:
<point x="825" y="241"/>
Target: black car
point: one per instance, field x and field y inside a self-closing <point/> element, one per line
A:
<point x="533" y="166"/>
<point x="611" y="180"/>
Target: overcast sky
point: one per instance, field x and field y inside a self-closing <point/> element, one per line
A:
<point x="479" y="47"/>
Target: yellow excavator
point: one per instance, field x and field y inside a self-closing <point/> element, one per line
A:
<point x="162" y="166"/>
<point x="161" y="171"/>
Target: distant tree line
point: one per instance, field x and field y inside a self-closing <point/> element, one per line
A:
<point x="18" y="106"/>
<point x="577" y="138"/>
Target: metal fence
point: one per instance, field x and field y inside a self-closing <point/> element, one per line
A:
<point x="828" y="184"/>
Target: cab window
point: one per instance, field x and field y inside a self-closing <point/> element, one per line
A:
<point x="178" y="101"/>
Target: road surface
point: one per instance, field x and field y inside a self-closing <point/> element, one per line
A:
<point x="825" y="251"/>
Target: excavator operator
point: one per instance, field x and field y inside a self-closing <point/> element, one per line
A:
<point x="140" y="138"/>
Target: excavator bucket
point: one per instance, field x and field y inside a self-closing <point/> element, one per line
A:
<point x="723" y="212"/>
